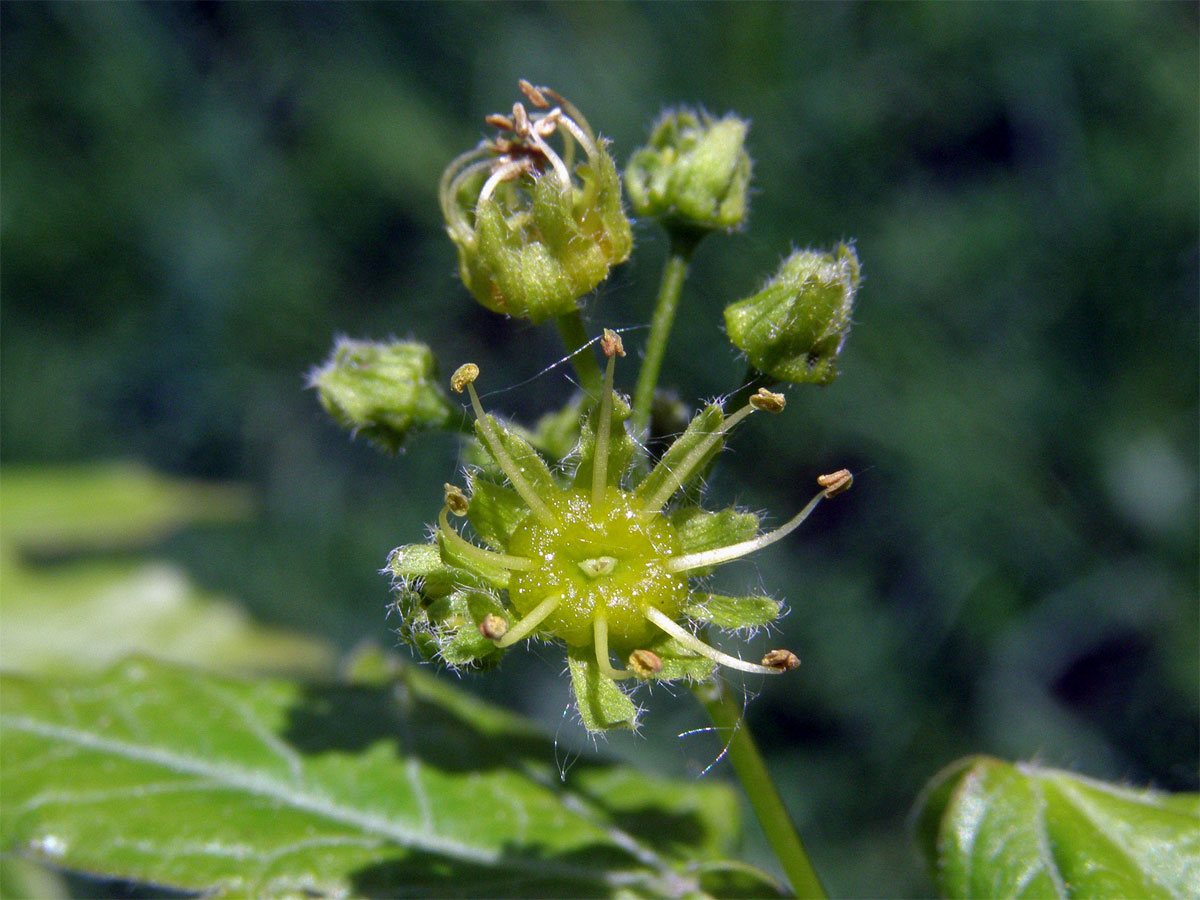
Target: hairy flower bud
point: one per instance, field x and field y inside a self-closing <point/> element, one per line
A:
<point x="793" y="329"/>
<point x="536" y="227"/>
<point x="695" y="172"/>
<point x="382" y="391"/>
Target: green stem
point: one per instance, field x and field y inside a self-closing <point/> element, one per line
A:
<point x="726" y="715"/>
<point x="674" y="272"/>
<point x="574" y="335"/>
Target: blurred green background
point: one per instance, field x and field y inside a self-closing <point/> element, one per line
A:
<point x="198" y="197"/>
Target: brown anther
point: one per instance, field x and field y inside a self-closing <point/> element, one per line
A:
<point x="645" y="663"/>
<point x="784" y="660"/>
<point x="456" y="500"/>
<point x="547" y="124"/>
<point x="768" y="401"/>
<point x="611" y="344"/>
<point x="520" y="120"/>
<point x="493" y="627"/>
<point x="534" y="95"/>
<point x="836" y="482"/>
<point x="499" y="120"/>
<point x="463" y="375"/>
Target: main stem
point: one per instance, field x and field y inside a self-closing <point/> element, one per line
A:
<point x="574" y="335"/>
<point x="674" y="272"/>
<point x="748" y="763"/>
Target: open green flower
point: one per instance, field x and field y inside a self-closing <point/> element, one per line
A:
<point x="535" y="227"/>
<point x="602" y="560"/>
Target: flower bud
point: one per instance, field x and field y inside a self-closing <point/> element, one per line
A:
<point x="536" y="228"/>
<point x="382" y="391"/>
<point x="695" y="172"/>
<point x="793" y="329"/>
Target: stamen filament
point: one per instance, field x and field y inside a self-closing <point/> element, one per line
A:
<point x="689" y="640"/>
<point x="456" y="173"/>
<point x="560" y="168"/>
<point x="600" y="634"/>
<point x="479" y="554"/>
<point x="603" y="433"/>
<point x="503" y="173"/>
<point x="492" y="438"/>
<point x="685" y="469"/>
<point x="536" y="615"/>
<point x="719" y="555"/>
<point x="585" y="140"/>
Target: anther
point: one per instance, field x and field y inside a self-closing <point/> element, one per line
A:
<point x="520" y="120"/>
<point x="456" y="500"/>
<point x="836" y="482"/>
<point x="611" y="344"/>
<point x="645" y="663"/>
<point x="783" y="660"/>
<point x="768" y="401"/>
<point x="499" y="120"/>
<point x="533" y="94"/>
<point x="463" y="375"/>
<point x="493" y="627"/>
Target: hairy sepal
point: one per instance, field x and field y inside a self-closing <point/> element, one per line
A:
<point x="495" y="511"/>
<point x="699" y="529"/>
<point x="621" y="447"/>
<point x="732" y="613"/>
<point x="601" y="703"/>
<point x="703" y="424"/>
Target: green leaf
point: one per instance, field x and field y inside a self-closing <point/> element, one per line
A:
<point x="98" y="506"/>
<point x="601" y="703"/>
<point x="732" y="613"/>
<point x="991" y="829"/>
<point x="69" y="607"/>
<point x="703" y="424"/>
<point x="265" y="788"/>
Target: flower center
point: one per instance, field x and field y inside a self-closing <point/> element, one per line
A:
<point x="605" y="558"/>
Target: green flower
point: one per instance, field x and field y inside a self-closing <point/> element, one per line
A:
<point x="695" y="172"/>
<point x="536" y="228"/>
<point x="794" y="328"/>
<point x="602" y="560"/>
<point x="382" y="391"/>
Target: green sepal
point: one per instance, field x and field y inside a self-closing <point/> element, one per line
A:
<point x="495" y="511"/>
<point x="679" y="661"/>
<point x="440" y="608"/>
<point x="703" y="424"/>
<point x="382" y="391"/>
<point x="531" y="466"/>
<point x="794" y="328"/>
<point x="601" y="703"/>
<point x="695" y="172"/>
<point x="698" y="529"/>
<point x="621" y="447"/>
<point x="732" y="613"/>
<point x="493" y="575"/>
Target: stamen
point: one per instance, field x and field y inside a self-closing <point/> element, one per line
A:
<point x="479" y="554"/>
<point x="505" y="172"/>
<point x="493" y="627"/>
<point x="685" y="469"/>
<point x="464" y="377"/>
<point x="689" y="640"/>
<point x="560" y="168"/>
<point x="526" y="626"/>
<point x="719" y="555"/>
<point x="585" y="140"/>
<point x="611" y="344"/>
<point x="600" y="634"/>
<point x="452" y="180"/>
<point x="645" y="663"/>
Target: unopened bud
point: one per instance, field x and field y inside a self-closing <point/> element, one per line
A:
<point x="794" y="328"/>
<point x="645" y="663"/>
<point x="456" y="500"/>
<point x="463" y="375"/>
<point x="694" y="173"/>
<point x="382" y="391"/>
<point x="493" y="627"/>
<point x="784" y="660"/>
<point x="768" y="401"/>
<point x="836" y="482"/>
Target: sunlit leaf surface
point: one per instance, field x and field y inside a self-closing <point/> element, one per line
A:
<point x="189" y="781"/>
<point x="991" y="829"/>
